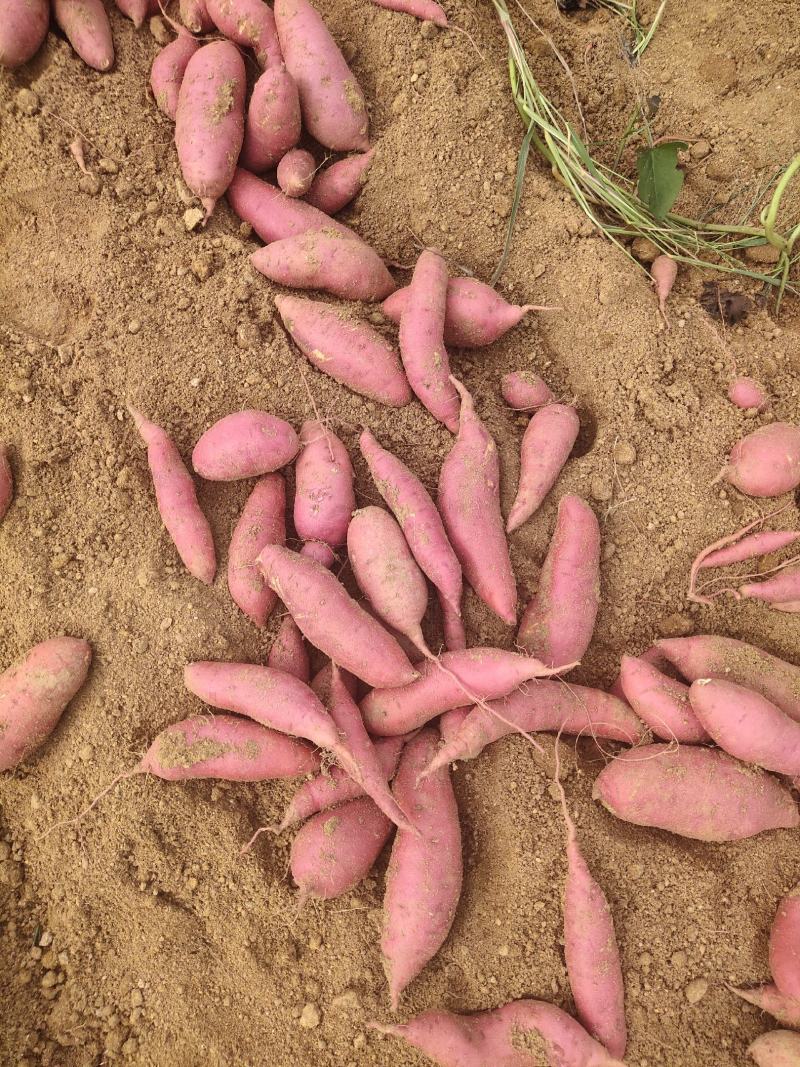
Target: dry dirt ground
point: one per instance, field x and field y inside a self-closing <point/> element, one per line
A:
<point x="140" y="935"/>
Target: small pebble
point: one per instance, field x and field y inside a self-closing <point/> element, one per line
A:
<point x="27" y="102"/>
<point x="134" y="326"/>
<point x="201" y="267"/>
<point x="90" y="184"/>
<point x="310" y="1017"/>
<point x="108" y="166"/>
<point x="624" y="453"/>
<point x="700" y="149"/>
<point x="428" y="30"/>
<point x="601" y="488"/>
<point x="192" y="218"/>
<point x="696" y="990"/>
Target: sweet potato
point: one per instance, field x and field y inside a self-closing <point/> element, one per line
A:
<point x="661" y="701"/>
<point x="262" y="522"/>
<point x="411" y="504"/>
<point x="450" y="722"/>
<point x="422" y="349"/>
<point x="23" y="28"/>
<point x="423" y="881"/>
<point x="86" y="26"/>
<point x="332" y="621"/>
<point x="558" y="623"/>
<point x="195" y="16"/>
<point x="168" y="70"/>
<point x="337" y="849"/>
<point x="769" y="999"/>
<point x="523" y="390"/>
<point x="542" y="706"/>
<point x="778" y="1048"/>
<point x="782" y="591"/>
<point x="524" y="1033"/>
<point x="694" y="792"/>
<point x="348" y="350"/>
<point x="546" y="445"/>
<point x="326" y="260"/>
<point x="707" y="656"/>
<point x="663" y="271"/>
<point x="784" y="946"/>
<point x="288" y="652"/>
<point x="475" y="314"/>
<point x="427" y="10"/>
<point x="334" y="112"/>
<point x="273" y="122"/>
<point x="209" y="121"/>
<point x="34" y="692"/>
<point x="244" y="444"/>
<point x="451" y="681"/>
<point x="250" y="24"/>
<point x="736" y="548"/>
<point x="655" y="658"/>
<point x="747" y="393"/>
<point x="6" y="482"/>
<point x="746" y="725"/>
<point x="177" y="501"/>
<point x="319" y="551"/>
<point x="324" y="496"/>
<point x="334" y="187"/>
<point x="766" y="462"/>
<point x="272" y="214"/>
<point x="137" y="10"/>
<point x="295" y="172"/>
<point x="469" y="503"/>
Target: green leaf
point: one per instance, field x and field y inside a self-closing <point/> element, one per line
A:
<point x="660" y="180"/>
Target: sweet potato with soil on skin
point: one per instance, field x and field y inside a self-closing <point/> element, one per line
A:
<point x="736" y="548"/>
<point x="469" y="503"/>
<point x="428" y="10"/>
<point x="412" y="506"/>
<point x="319" y="551"/>
<point x="332" y="621"/>
<point x="209" y="122"/>
<point x="326" y="260"/>
<point x="250" y="24"/>
<point x="546" y="445"/>
<point x="784" y="946"/>
<point x="295" y="172"/>
<point x="652" y="656"/>
<point x="423" y="880"/>
<point x="661" y="702"/>
<point x="6" y="482"/>
<point x="558" y="623"/>
<point x="334" y="187"/>
<point x="766" y="462"/>
<point x="262" y="522"/>
<point x="539" y="707"/>
<point x="289" y="653"/>
<point x="177" y="501"/>
<point x="195" y="17"/>
<point x="695" y="792"/>
<point x="747" y="725"/>
<point x="422" y="349"/>
<point x="244" y="444"/>
<point x="663" y="271"/>
<point x="781" y="592"/>
<point x="86" y="26"/>
<point x="524" y="1033"/>
<point x="168" y="70"/>
<point x="747" y="393"/>
<point x="138" y="10"/>
<point x="707" y="656"/>
<point x="469" y="674"/>
<point x="450" y="722"/>
<point x="336" y="849"/>
<point x="475" y="314"/>
<point x="768" y="998"/>
<point x="34" y="692"/>
<point x="523" y="390"/>
<point x="334" y="111"/>
<point x="23" y="28"/>
<point x="324" y="497"/>
<point x="273" y="124"/>
<point x="351" y="352"/>
<point x="778" y="1048"/>
<point x="272" y="214"/>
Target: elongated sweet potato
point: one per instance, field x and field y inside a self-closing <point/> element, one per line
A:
<point x="168" y="70"/>
<point x="334" y="187"/>
<point x="784" y="945"/>
<point x="244" y="444"/>
<point x="273" y="122"/>
<point x="272" y="214"/>
<point x="324" y="498"/>
<point x="250" y="24"/>
<point x="326" y="260"/>
<point x="546" y="445"/>
<point x="88" y="30"/>
<point x="262" y="522"/>
<point x="661" y="701"/>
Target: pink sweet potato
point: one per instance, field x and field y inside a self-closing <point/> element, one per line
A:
<point x="324" y="497"/>
<point x="784" y="946"/>
<point x="334" y="111"/>
<point x="250" y="24"/>
<point x="319" y="551"/>
<point x="542" y="706"/>
<point x="707" y="656"/>
<point x="469" y="503"/>
<point x="451" y="681"/>
<point x="23" y="28"/>
<point x="34" y="692"/>
<point x="195" y="17"/>
<point x="423" y="881"/>
<point x="523" y="390"/>
<point x="244" y="444"/>
<point x="769" y="999"/>
<point x="332" y="621"/>
<point x="524" y="1033"/>
<point x="782" y="591"/>
<point x="273" y="122"/>
<point x="168" y="70"/>
<point x="262" y="522"/>
<point x="137" y="10"/>
<point x="86" y="26"/>
<point x="422" y="527"/>
<point x="6" y="482"/>
<point x="661" y="701"/>
<point x="766" y="462"/>
<point x="546" y="445"/>
<point x="694" y="792"/>
<point x="655" y="658"/>
<point x="747" y="393"/>
<point x="348" y="350"/>
<point x="209" y="121"/>
<point x="663" y="271"/>
<point x="758" y="544"/>
<point x="177" y="501"/>
<point x="289" y="652"/>
<point x="779" y="1048"/>
<point x="272" y="214"/>
<point x="450" y="722"/>
<point x="334" y="187"/>
<point x="337" y="849"/>
<point x="427" y="10"/>
<point x="746" y="725"/>
<point x="422" y="349"/>
<point x="295" y="172"/>
<point x="326" y="260"/>
<point x="475" y="314"/>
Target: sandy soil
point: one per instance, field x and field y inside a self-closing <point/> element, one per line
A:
<point x="140" y="935"/>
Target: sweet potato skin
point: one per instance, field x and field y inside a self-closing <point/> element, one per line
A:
<point x="23" y="28"/>
<point x="272" y="214"/>
<point x="326" y="260"/>
<point x="88" y="30"/>
<point x="250" y="24"/>
<point x="546" y="445"/>
<point x="168" y="70"/>
<point x="778" y="1048"/>
<point x="334" y="187"/>
<point x="766" y="462"/>
<point x="244" y="444"/>
<point x="784" y="946"/>
<point x="273" y="123"/>
<point x="262" y="522"/>
<point x="295" y="172"/>
<point x="662" y="702"/>
<point x="324" y="496"/>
